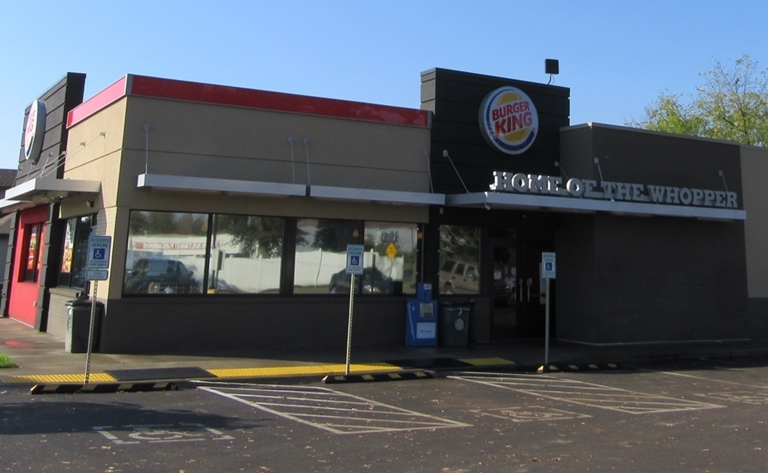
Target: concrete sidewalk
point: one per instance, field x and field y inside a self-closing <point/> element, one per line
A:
<point x="43" y="359"/>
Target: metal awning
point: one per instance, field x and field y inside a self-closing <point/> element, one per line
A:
<point x="376" y="195"/>
<point x="166" y="182"/>
<point x="504" y="200"/>
<point x="46" y="189"/>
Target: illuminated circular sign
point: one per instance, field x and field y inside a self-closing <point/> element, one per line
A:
<point x="508" y="120"/>
<point x="34" y="131"/>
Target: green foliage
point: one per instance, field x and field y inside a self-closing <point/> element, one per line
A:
<point x="167" y="223"/>
<point x="6" y="362"/>
<point x="459" y="243"/>
<point x="732" y="104"/>
<point x="254" y="234"/>
<point x="335" y="235"/>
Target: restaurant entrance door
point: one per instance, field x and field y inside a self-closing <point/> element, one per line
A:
<point x="518" y="292"/>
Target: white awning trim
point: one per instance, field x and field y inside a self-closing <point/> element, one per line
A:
<point x="166" y="182"/>
<point x="48" y="189"/>
<point x="376" y="195"/>
<point x="229" y="186"/>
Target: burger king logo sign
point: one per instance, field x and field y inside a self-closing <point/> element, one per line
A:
<point x="34" y="131"/>
<point x="508" y="120"/>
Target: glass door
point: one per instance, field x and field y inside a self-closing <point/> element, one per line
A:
<point x="518" y="298"/>
<point x="505" y="291"/>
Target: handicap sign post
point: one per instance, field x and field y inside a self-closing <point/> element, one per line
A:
<point x="548" y="272"/>
<point x="96" y="269"/>
<point x="98" y="252"/>
<point x="354" y="267"/>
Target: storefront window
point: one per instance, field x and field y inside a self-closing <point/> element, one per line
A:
<point x="33" y="235"/>
<point x="459" y="260"/>
<point x="246" y="255"/>
<point x="166" y="253"/>
<point x="75" y="252"/>
<point x="321" y="252"/>
<point x="390" y="258"/>
<point x="184" y="253"/>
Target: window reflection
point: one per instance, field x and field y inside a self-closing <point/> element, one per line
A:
<point x="459" y="260"/>
<point x="321" y="254"/>
<point x="75" y="251"/>
<point x="187" y="253"/>
<point x="246" y="255"/>
<point x="392" y="252"/>
<point x="166" y="253"/>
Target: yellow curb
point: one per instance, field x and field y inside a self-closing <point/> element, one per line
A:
<point x="300" y="370"/>
<point x="57" y="378"/>
<point x="487" y="361"/>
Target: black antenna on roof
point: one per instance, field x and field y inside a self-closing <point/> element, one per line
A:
<point x="551" y="67"/>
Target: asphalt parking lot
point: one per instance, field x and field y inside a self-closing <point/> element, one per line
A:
<point x="693" y="416"/>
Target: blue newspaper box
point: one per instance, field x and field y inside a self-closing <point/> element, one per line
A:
<point x="421" y="323"/>
<point x="424" y="291"/>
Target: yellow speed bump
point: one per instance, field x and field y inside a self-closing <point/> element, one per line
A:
<point x="308" y="370"/>
<point x="487" y="361"/>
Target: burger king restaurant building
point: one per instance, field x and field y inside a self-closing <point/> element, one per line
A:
<point x="230" y="211"/>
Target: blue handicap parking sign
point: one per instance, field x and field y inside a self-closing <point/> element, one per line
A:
<point x="98" y="252"/>
<point x="355" y="259"/>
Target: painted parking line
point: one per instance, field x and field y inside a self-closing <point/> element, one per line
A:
<point x="587" y="394"/>
<point x="746" y="393"/>
<point x="755" y="398"/>
<point x="332" y="411"/>
<point x="530" y="414"/>
<point x="159" y="433"/>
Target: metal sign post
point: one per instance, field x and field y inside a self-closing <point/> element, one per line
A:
<point x="548" y="271"/>
<point x="349" y="323"/>
<point x="354" y="267"/>
<point x="95" y="270"/>
<point x="90" y="334"/>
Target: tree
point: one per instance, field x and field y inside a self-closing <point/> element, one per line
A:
<point x="732" y="104"/>
<point x="254" y="234"/>
<point x="334" y="235"/>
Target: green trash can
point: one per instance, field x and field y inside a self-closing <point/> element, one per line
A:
<point x="453" y="323"/>
<point x="79" y="326"/>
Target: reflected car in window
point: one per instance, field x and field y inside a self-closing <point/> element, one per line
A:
<point x="458" y="277"/>
<point x="374" y="282"/>
<point x="160" y="276"/>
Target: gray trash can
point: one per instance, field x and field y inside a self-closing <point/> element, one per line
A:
<point x="79" y="326"/>
<point x="453" y="323"/>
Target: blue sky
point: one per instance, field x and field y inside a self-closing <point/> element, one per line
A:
<point x="615" y="56"/>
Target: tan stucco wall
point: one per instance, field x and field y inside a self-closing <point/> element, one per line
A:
<point x="193" y="139"/>
<point x="225" y="142"/>
<point x="754" y="173"/>
<point x="98" y="160"/>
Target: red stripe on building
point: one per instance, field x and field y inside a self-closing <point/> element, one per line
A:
<point x="97" y="102"/>
<point x="250" y="98"/>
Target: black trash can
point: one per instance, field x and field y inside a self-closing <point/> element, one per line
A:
<point x="79" y="326"/>
<point x="453" y="323"/>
